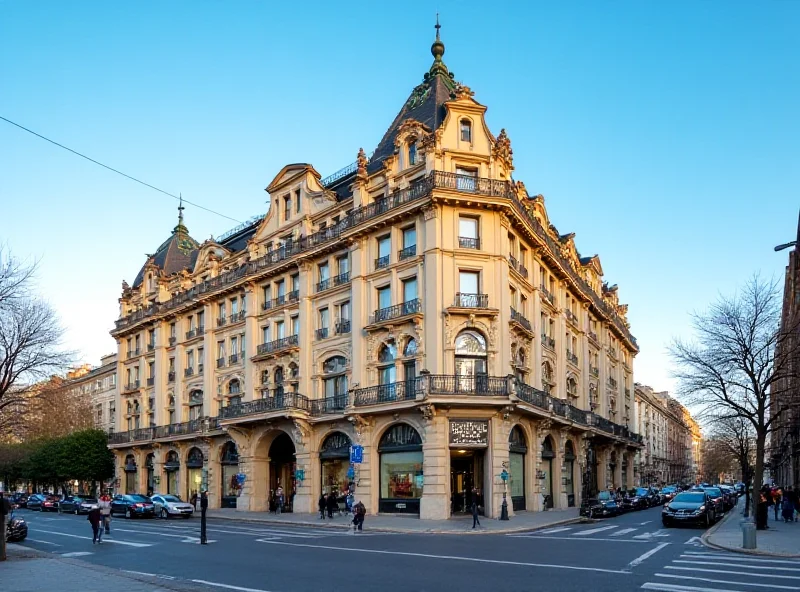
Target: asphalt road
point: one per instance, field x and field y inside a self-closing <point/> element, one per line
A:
<point x="630" y="552"/>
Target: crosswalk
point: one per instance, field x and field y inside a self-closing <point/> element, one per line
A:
<point x="640" y="533"/>
<point x="712" y="571"/>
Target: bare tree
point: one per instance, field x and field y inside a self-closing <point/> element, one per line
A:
<point x="736" y="437"/>
<point x="730" y="370"/>
<point x="30" y="338"/>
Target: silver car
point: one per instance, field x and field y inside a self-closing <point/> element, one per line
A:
<point x="171" y="505"/>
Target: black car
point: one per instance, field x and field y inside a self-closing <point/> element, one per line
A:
<point x="43" y="503"/>
<point x="133" y="506"/>
<point x="604" y="504"/>
<point x="20" y="500"/>
<point x="717" y="498"/>
<point x="730" y="497"/>
<point x="16" y="529"/>
<point x="76" y="504"/>
<point x="689" y="507"/>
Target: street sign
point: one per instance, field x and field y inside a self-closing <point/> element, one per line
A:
<point x="300" y="474"/>
<point x="504" y="475"/>
<point x="351" y="473"/>
<point x="356" y="454"/>
<point x="240" y="478"/>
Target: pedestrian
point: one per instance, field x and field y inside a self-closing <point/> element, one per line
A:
<point x="105" y="512"/>
<point x="323" y="504"/>
<point x="193" y="500"/>
<point x="94" y="519"/>
<point x="475" y="508"/>
<point x="333" y="506"/>
<point x="776" y="501"/>
<point x="762" y="510"/>
<point x="359" y="511"/>
<point x="787" y="509"/>
<point x="279" y="500"/>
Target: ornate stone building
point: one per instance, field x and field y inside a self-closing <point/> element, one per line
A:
<point x="418" y="303"/>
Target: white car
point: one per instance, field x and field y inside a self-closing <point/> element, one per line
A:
<point x="171" y="505"/>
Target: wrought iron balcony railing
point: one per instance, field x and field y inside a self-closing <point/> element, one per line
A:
<point x="382" y="262"/>
<point x="571" y="357"/>
<point x="132" y="386"/>
<point x="321" y="333"/>
<point x="571" y="317"/>
<point x="343" y="327"/>
<point x="151" y="347"/>
<point x="612" y="383"/>
<point x="547" y="295"/>
<point x="276" y="402"/>
<point x="467" y="385"/>
<point x="385" y="393"/>
<point x="221" y="362"/>
<point x="278" y="344"/>
<point x="188" y="371"/>
<point x="331" y="282"/>
<point x="397" y="311"/>
<point x="464" y="300"/>
<point x="548" y="342"/>
<point x="173" y="340"/>
<point x="328" y="405"/>
<point x="233" y="359"/>
<point x="594" y="370"/>
<point x="517" y="317"/>
<point x="410" y="251"/>
<point x="593" y="337"/>
<point x="222" y="321"/>
<point x="467" y="242"/>
<point x="151" y="381"/>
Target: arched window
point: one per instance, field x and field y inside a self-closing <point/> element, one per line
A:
<point x="195" y="404"/>
<point x="411" y="348"/>
<point x="412" y="152"/>
<point x="387" y="373"/>
<point x="335" y="381"/>
<point x="278" y="378"/>
<point x="547" y="377"/>
<point x="229" y="459"/>
<point x="572" y="387"/>
<point x="195" y="458"/>
<point x="465" y="125"/>
<point x="401" y="476"/>
<point x="517" y="448"/>
<point x="470" y="343"/>
<point x="471" y="364"/>
<point x="234" y="387"/>
<point x="548" y="455"/>
<point x="569" y="468"/>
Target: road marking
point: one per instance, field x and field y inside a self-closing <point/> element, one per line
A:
<point x="737" y="558"/>
<point x="228" y="586"/>
<point x="675" y="588"/>
<point x="713" y="581"/>
<point x="76" y="554"/>
<point x="554" y="530"/>
<point x="43" y="542"/>
<point x="644" y="556"/>
<point x="695" y="562"/>
<point x="184" y="538"/>
<point x="736" y="573"/>
<point x="150" y="575"/>
<point x="693" y="541"/>
<point x="594" y="530"/>
<point x="75" y="536"/>
<point x="451" y="557"/>
<point x="650" y="535"/>
<point x="572" y="538"/>
<point x="623" y="531"/>
<point x="643" y="523"/>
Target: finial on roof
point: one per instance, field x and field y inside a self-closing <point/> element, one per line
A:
<point x="180" y="228"/>
<point x="437" y="49"/>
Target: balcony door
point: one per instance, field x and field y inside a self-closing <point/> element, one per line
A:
<point x="471" y="366"/>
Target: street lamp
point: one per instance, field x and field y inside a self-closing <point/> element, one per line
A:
<point x="504" y="508"/>
<point x="794" y="243"/>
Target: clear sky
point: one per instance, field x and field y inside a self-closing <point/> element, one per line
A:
<point x="664" y="134"/>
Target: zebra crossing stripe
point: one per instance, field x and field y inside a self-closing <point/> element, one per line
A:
<point x="554" y="530"/>
<point x="623" y="531"/>
<point x="594" y="530"/>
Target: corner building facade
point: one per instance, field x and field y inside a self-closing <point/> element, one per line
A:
<point x="418" y="303"/>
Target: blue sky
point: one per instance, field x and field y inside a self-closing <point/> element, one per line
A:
<point x="665" y="135"/>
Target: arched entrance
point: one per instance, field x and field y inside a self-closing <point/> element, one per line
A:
<point x="281" y="469"/>
<point x="400" y="451"/>
<point x="517" y="449"/>
<point x="334" y="460"/>
<point x="471" y="367"/>
<point x="569" y="467"/>
<point x="172" y="467"/>
<point x="229" y="461"/>
<point x="149" y="465"/>
<point x="130" y="474"/>
<point x="548" y="454"/>
<point x="194" y="472"/>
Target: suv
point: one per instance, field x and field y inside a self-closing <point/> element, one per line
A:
<point x="693" y="506"/>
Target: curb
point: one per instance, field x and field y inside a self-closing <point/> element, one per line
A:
<point x="704" y="539"/>
<point x="469" y="530"/>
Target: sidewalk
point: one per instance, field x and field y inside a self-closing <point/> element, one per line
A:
<point x="781" y="539"/>
<point x="522" y="521"/>
<point x="27" y="570"/>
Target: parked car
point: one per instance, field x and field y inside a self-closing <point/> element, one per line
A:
<point x="689" y="507"/>
<point x="717" y="499"/>
<point x="729" y="496"/>
<point x="649" y="495"/>
<point x="43" y="503"/>
<point x="20" y="500"/>
<point x="35" y="501"/>
<point x="16" y="529"/>
<point x="132" y="506"/>
<point x="740" y="488"/>
<point x="604" y="504"/>
<point x="669" y="492"/>
<point x="171" y="505"/>
<point x="77" y="504"/>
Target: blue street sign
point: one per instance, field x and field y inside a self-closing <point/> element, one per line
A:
<point x="356" y="454"/>
<point x="240" y="478"/>
<point x="351" y="472"/>
<point x="300" y="474"/>
<point x="504" y="475"/>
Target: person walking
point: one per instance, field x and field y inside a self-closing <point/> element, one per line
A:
<point x="105" y="512"/>
<point x="94" y="519"/>
<point x="333" y="506"/>
<point x="322" y="504"/>
<point x="474" y="508"/>
<point x="279" y="500"/>
<point x="777" y="497"/>
<point x="787" y="507"/>
<point x="359" y="512"/>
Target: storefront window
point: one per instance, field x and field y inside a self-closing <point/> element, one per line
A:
<point x="401" y="461"/>
<point x="569" y="465"/>
<point x="130" y="474"/>
<point x="517" y="448"/>
<point x="548" y="454"/>
<point x="194" y="472"/>
<point x="229" y="460"/>
<point x="172" y="466"/>
<point x="335" y="460"/>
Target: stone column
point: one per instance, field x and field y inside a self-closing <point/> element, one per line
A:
<point x="498" y="455"/>
<point x="367" y="471"/>
<point x="304" y="500"/>
<point x="562" y="468"/>
<point x="618" y="467"/>
<point x="435" y="502"/>
<point x="603" y="477"/>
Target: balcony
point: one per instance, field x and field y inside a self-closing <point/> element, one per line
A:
<point x="594" y="371"/>
<point x="612" y="383"/>
<point x="329" y="405"/>
<point x="517" y="317"/>
<point x="233" y="359"/>
<point x="221" y="362"/>
<point x="132" y="386"/>
<point x="342" y="327"/>
<point x="548" y="342"/>
<point x="547" y="295"/>
<point x="512" y="262"/>
<point x="572" y="358"/>
<point x="397" y="311"/>
<point x="238" y="317"/>
<point x="192" y="333"/>
<point x="382" y="262"/>
<point x="407" y="253"/>
<point x="282" y="299"/>
<point x="151" y="347"/>
<point x="171" y="376"/>
<point x="277" y="345"/>
<point x="222" y="321"/>
<point x="386" y="393"/>
<point x="481" y="384"/>
<point x="321" y="334"/>
<point x="188" y="371"/>
<point x="467" y="242"/>
<point x="151" y="381"/>
<point x="593" y="337"/>
<point x="332" y="282"/>
<point x="277" y="402"/>
<point x="571" y="317"/>
<point x="471" y="184"/>
<point x="173" y="340"/>
<point x="464" y="300"/>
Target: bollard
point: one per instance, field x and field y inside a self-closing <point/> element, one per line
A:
<point x="748" y="534"/>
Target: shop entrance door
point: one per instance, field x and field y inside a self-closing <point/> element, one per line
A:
<point x="466" y="474"/>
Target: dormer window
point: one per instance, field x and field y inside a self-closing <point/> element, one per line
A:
<point x="287" y="207"/>
<point x="412" y="152"/>
<point x="466" y="130"/>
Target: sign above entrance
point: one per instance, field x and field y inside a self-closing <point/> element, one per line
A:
<point x="356" y="454"/>
<point x="469" y="433"/>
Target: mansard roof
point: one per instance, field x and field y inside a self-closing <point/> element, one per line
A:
<point x="175" y="254"/>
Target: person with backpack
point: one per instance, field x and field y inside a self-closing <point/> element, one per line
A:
<point x="359" y="512"/>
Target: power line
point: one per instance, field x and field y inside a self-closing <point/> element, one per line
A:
<point x="105" y="166"/>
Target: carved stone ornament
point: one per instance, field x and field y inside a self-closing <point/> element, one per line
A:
<point x="502" y="149"/>
<point x="428" y="412"/>
<point x="431" y="212"/>
<point x="545" y="425"/>
<point x="361" y="164"/>
<point x="463" y="91"/>
<point x="448" y="331"/>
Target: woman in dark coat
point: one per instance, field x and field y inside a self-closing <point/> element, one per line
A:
<point x="322" y="504"/>
<point x="332" y="505"/>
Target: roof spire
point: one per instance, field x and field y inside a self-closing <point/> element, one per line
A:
<point x="437" y="49"/>
<point x="180" y="228"/>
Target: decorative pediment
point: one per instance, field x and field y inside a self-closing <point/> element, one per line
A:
<point x="410" y="128"/>
<point x="502" y="150"/>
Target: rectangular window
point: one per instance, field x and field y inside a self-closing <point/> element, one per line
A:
<point x="151" y="338"/>
<point x="324" y="318"/>
<point x="409" y="237"/>
<point x="280" y="288"/>
<point x="234" y="345"/>
<point x="266" y="293"/>
<point x="523" y="256"/>
<point x="200" y="318"/>
<point x="172" y="364"/>
<point x="287" y="207"/>
<point x="221" y="312"/>
<point x="523" y="305"/>
<point x="220" y="350"/>
<point x="324" y="271"/>
<point x="466" y="130"/>
<point x="344" y="311"/>
<point x="513" y="294"/>
<point x="297" y="200"/>
<point x="466" y="179"/>
<point x="343" y="265"/>
<point x="234" y="306"/>
<point x="295" y="282"/>
<point x="151" y="369"/>
<point x="410" y="289"/>
<point x="190" y="321"/>
<point x="190" y="358"/>
<point x="130" y="346"/>
<point x="295" y="325"/>
<point x="468" y="233"/>
<point x="172" y="330"/>
<point x="138" y="343"/>
<point x="384" y="297"/>
<point x="280" y="330"/>
<point x="412" y="154"/>
<point x="469" y="282"/>
<point x="384" y="246"/>
<point x="265" y="334"/>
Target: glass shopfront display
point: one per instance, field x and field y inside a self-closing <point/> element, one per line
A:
<point x="401" y="477"/>
<point x="229" y="461"/>
<point x="548" y="454"/>
<point x="569" y="477"/>
<point x="131" y="471"/>
<point x="517" y="448"/>
<point x="194" y="472"/>
<point x="334" y="459"/>
<point x="172" y="467"/>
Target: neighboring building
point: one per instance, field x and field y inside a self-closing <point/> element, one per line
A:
<point x="784" y="468"/>
<point x="418" y="303"/>
<point x="98" y="386"/>
<point x="672" y="439"/>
